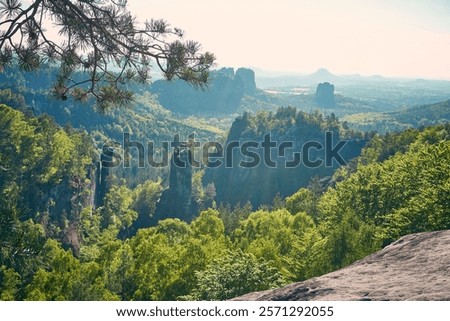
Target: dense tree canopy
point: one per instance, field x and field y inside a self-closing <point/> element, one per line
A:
<point x="59" y="242"/>
<point x="223" y="252"/>
<point x="101" y="38"/>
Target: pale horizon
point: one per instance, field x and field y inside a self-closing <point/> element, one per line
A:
<point x="397" y="38"/>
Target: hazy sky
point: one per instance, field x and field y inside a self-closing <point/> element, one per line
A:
<point x="408" y="38"/>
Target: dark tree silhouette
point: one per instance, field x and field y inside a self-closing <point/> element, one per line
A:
<point x="102" y="39"/>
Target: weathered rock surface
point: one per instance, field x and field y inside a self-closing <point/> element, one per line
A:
<point x="416" y="267"/>
<point x="222" y="96"/>
<point x="325" y="95"/>
<point x="176" y="201"/>
<point x="262" y="182"/>
<point x="248" y="79"/>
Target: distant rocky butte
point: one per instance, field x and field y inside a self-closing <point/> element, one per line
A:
<point x="416" y="267"/>
<point x="325" y="95"/>
<point x="248" y="80"/>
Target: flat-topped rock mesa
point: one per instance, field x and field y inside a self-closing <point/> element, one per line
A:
<point x="416" y="267"/>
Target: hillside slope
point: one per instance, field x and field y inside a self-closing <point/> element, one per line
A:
<point x="416" y="116"/>
<point x="416" y="267"/>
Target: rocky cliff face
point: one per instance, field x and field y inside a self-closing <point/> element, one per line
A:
<point x="416" y="267"/>
<point x="223" y="95"/>
<point x="61" y="206"/>
<point x="325" y="95"/>
<point x="248" y="80"/>
<point x="177" y="201"/>
<point x="259" y="183"/>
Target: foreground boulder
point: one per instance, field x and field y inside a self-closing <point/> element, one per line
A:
<point x="416" y="267"/>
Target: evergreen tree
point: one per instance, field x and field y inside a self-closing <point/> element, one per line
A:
<point x="98" y="36"/>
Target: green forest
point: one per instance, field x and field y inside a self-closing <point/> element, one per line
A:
<point x="74" y="228"/>
<point x="400" y="184"/>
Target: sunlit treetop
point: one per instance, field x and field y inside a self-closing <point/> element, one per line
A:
<point x="102" y="39"/>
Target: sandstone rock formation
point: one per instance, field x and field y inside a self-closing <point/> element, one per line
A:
<point x="248" y="79"/>
<point x="222" y="96"/>
<point x="176" y="201"/>
<point x="262" y="183"/>
<point x="325" y="95"/>
<point x="416" y="267"/>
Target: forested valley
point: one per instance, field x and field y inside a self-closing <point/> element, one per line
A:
<point x="135" y="167"/>
<point x="67" y="234"/>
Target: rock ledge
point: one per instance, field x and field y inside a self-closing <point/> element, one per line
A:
<point x="416" y="267"/>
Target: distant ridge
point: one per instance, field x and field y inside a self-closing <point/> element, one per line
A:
<point x="265" y="80"/>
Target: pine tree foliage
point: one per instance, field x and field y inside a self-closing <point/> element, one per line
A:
<point x="102" y="39"/>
